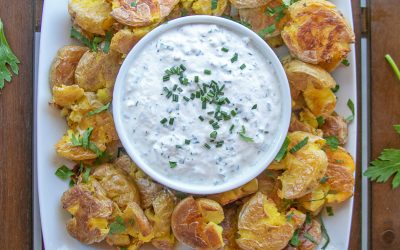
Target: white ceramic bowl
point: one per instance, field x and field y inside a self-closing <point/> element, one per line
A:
<point x="238" y="180"/>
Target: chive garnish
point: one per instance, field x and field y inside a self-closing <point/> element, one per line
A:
<point x="214" y="4"/>
<point x="299" y="145"/>
<point x="346" y="62"/>
<point x="174" y="87"/>
<point x="207" y="72"/>
<point x="219" y="144"/>
<point x="215" y="125"/>
<point x="254" y="106"/>
<point x="206" y="146"/>
<point x="213" y="135"/>
<point x="243" y="136"/>
<point x="231" y="128"/>
<point x="192" y="96"/>
<point x="186" y="98"/>
<point x="393" y="65"/>
<point x="201" y="118"/>
<point x="187" y="142"/>
<point x="283" y="151"/>
<point x="225" y="49"/>
<point x="196" y="79"/>
<point x="166" y="78"/>
<point x="234" y="58"/>
<point x="329" y="210"/>
<point x="172" y="164"/>
<point x="164" y="120"/>
<point x="233" y="113"/>
<point x="171" y="121"/>
<point x="204" y="105"/>
<point x="243" y="66"/>
<point x="175" y="98"/>
<point x="169" y="94"/>
<point x="182" y="67"/>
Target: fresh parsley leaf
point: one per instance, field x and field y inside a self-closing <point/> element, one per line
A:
<point x="346" y="62"/>
<point x="214" y="4"/>
<point x="299" y="145"/>
<point x="107" y="42"/>
<point x="294" y="241"/>
<point x="320" y="120"/>
<point x="117" y="226"/>
<point x="310" y="238"/>
<point x="350" y="104"/>
<point x="268" y="30"/>
<point x="86" y="136"/>
<point x="392" y="64"/>
<point x="283" y="151"/>
<point x="243" y="136"/>
<point x="64" y="172"/>
<point x="99" y="110"/>
<point x="333" y="142"/>
<point x="335" y="89"/>
<point x="85" y="176"/>
<point x="7" y="57"/>
<point x="329" y="210"/>
<point x="325" y="234"/>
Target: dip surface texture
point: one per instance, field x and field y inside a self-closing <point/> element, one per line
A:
<point x="201" y="104"/>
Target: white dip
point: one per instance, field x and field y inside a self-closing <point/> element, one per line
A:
<point x="173" y="130"/>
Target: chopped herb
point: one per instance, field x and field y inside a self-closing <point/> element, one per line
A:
<point x="7" y="57"/>
<point x="225" y="49"/>
<point x="231" y="128"/>
<point x="64" y="172"/>
<point x="171" y="121"/>
<point x="289" y="216"/>
<point x="196" y="79"/>
<point x="268" y="30"/>
<point x="77" y="35"/>
<point x="214" y="4"/>
<point x="184" y="12"/>
<point x="329" y="210"/>
<point x="172" y="164"/>
<point x="350" y="104"/>
<point x="71" y="183"/>
<point x="243" y="66"/>
<point x="201" y="118"/>
<point x="339" y="161"/>
<point x="99" y="110"/>
<point x="204" y="105"/>
<point x="308" y="218"/>
<point x="283" y="151"/>
<point x="332" y="142"/>
<point x="392" y="64"/>
<point x="107" y="42"/>
<point x="166" y="78"/>
<point x="134" y="3"/>
<point x="233" y="113"/>
<point x="254" y="106"/>
<point x="96" y="41"/>
<point x="215" y="125"/>
<point x="324" y="234"/>
<point x="175" y="98"/>
<point x="243" y="136"/>
<point x="177" y="70"/>
<point x="299" y="145"/>
<point x="346" y="62"/>
<point x="174" y="87"/>
<point x="207" y="72"/>
<point x="294" y="241"/>
<point x="187" y="142"/>
<point x="323" y="179"/>
<point x="164" y="120"/>
<point x="85" y="176"/>
<point x="117" y="226"/>
<point x="86" y="136"/>
<point x="76" y="142"/>
<point x="169" y="94"/>
<point x="335" y="89"/>
<point x="206" y="146"/>
<point x="93" y="147"/>
<point x="320" y="120"/>
<point x="213" y="135"/>
<point x="183" y="68"/>
<point x="310" y="238"/>
<point x="234" y="57"/>
<point x="219" y="144"/>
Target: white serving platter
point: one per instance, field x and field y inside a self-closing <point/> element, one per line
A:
<point x="50" y="126"/>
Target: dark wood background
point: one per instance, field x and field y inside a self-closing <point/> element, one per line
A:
<point x="22" y="18"/>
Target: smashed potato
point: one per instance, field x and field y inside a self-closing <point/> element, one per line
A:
<point x="247" y="4"/>
<point x="90" y="209"/>
<point x="91" y="15"/>
<point x="235" y="194"/>
<point x="229" y="226"/>
<point x="317" y="33"/>
<point x="194" y="223"/>
<point x="314" y="201"/>
<point x="62" y="71"/>
<point x="335" y="125"/>
<point x="65" y="96"/>
<point x="313" y="238"/>
<point x="203" y="7"/>
<point x="97" y="70"/>
<point x="320" y="101"/>
<point x="104" y="128"/>
<point x="261" y="226"/>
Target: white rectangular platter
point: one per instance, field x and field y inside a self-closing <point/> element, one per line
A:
<point x="50" y="126"/>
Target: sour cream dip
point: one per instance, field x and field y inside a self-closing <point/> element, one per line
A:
<point x="201" y="105"/>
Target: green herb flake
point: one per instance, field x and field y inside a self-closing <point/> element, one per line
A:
<point x="299" y="145"/>
<point x="171" y="121"/>
<point x="201" y="118"/>
<point x="323" y="179"/>
<point x="325" y="235"/>
<point x="85" y="176"/>
<point x="76" y="142"/>
<point x="225" y="49"/>
<point x="213" y="135"/>
<point x="392" y="64"/>
<point x="196" y="79"/>
<point x="234" y="57"/>
<point x="268" y="30"/>
<point x="164" y="120"/>
<point x="231" y="128"/>
<point x="206" y="146"/>
<point x="64" y="172"/>
<point x="310" y="238"/>
<point x="166" y="78"/>
<point x="320" y="120"/>
<point x="187" y="142"/>
<point x="219" y="144"/>
<point x="335" y="89"/>
<point x="294" y="241"/>
<point x="78" y="36"/>
<point x="289" y="216"/>
<point x="329" y="210"/>
<point x="350" y="104"/>
<point x="93" y="147"/>
<point x="175" y="98"/>
<point x="346" y="62"/>
<point x="99" y="110"/>
<point x="7" y="57"/>
<point x="308" y="218"/>
<point x="283" y="151"/>
<point x="243" y="136"/>
<point x="214" y="4"/>
<point x="86" y="137"/>
<point x="254" y="106"/>
<point x="172" y="164"/>
<point x="332" y="142"/>
<point x="243" y="66"/>
<point x="207" y="72"/>
<point x="134" y="3"/>
<point x="107" y="42"/>
<point x="117" y="226"/>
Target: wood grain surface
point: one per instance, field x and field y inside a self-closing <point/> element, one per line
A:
<point x="16" y="109"/>
<point x="385" y="111"/>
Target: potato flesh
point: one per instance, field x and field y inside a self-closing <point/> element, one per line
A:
<point x="235" y="194"/>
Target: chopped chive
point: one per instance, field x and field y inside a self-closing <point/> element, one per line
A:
<point x="243" y="66"/>
<point x="243" y="136"/>
<point x="201" y="118"/>
<point x="215" y="125"/>
<point x="169" y="94"/>
<point x="166" y="78"/>
<point x="329" y="210"/>
<point x="332" y="142"/>
<point x="207" y="72"/>
<point x="192" y="96"/>
<point x="172" y="164"/>
<point x="198" y="94"/>
<point x="64" y="172"/>
<point x="254" y="106"/>
<point x="214" y="4"/>
<point x="268" y="30"/>
<point x="187" y="142"/>
<point x="180" y="89"/>
<point x="171" y="121"/>
<point x="233" y="113"/>
<point x="350" y="104"/>
<point x="320" y="120"/>
<point x="323" y="179"/>
<point x="213" y="135"/>
<point x="182" y="67"/>
<point x="134" y="4"/>
<point x="210" y="113"/>
<point x="299" y="145"/>
<point x="310" y="238"/>
<point x="294" y="241"/>
<point x="186" y="98"/>
<point x="219" y="144"/>
<point x="225" y="49"/>
<point x="206" y="146"/>
<point x="211" y="121"/>
<point x="196" y="79"/>
<point x="175" y="98"/>
<point x="174" y="87"/>
<point x="231" y="128"/>
<point x="335" y="89"/>
<point x="346" y="62"/>
<point x="99" y="110"/>
<point x="204" y="105"/>
<point x="234" y="58"/>
<point x="166" y="89"/>
<point x="164" y="120"/>
<point x="283" y="151"/>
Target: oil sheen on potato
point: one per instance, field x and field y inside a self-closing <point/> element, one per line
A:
<point x="201" y="104"/>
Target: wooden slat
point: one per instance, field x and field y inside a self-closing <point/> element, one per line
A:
<point x="385" y="111"/>
<point x="16" y="131"/>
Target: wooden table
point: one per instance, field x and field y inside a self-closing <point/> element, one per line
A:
<point x="22" y="18"/>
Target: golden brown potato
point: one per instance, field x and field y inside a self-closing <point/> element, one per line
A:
<point x="314" y="201"/>
<point x="297" y="125"/>
<point x="194" y="223"/>
<point x="203" y="7"/>
<point x="267" y="181"/>
<point x="90" y="209"/>
<point x="320" y="101"/>
<point x="97" y="70"/>
<point x="124" y="40"/>
<point x="65" y="96"/>
<point x="335" y="125"/>
<point x="80" y="109"/>
<point x="103" y="127"/>
<point x="229" y="226"/>
<point x="340" y="156"/>
<point x="301" y="74"/>
<point x="247" y="4"/>
<point x="91" y="15"/>
<point x="143" y="13"/>
<point x="317" y="33"/>
<point x="305" y="167"/>
<point x="313" y="229"/>
<point x="166" y="7"/>
<point x="235" y="194"/>
<point x="62" y="70"/>
<point x="119" y="187"/>
<point x="261" y="226"/>
<point x="295" y="217"/>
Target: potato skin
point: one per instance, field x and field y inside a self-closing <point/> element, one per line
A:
<point x="91" y="15"/>
<point x="62" y="71"/>
<point x="64" y="96"/>
<point x="247" y="4"/>
<point x="335" y="125"/>
<point x="144" y="13"/>
<point x="318" y="33"/>
<point x="229" y="226"/>
<point x="235" y="194"/>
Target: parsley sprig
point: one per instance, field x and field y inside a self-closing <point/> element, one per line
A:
<point x="7" y="57"/>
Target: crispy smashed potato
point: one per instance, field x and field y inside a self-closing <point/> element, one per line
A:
<point x="248" y="4"/>
<point x="313" y="229"/>
<point x="91" y="15"/>
<point x="229" y="226"/>
<point x="335" y="125"/>
<point x="261" y="226"/>
<point x="203" y="7"/>
<point x="62" y="71"/>
<point x="194" y="223"/>
<point x="90" y="209"/>
<point x="80" y="109"/>
<point x="235" y="194"/>
<point x="97" y="70"/>
<point x="118" y="186"/>
<point x="104" y="128"/>
<point x="304" y="168"/>
<point x="124" y="40"/>
<point x="317" y="33"/>
<point x="314" y="201"/>
<point x="65" y="96"/>
<point x="320" y="101"/>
